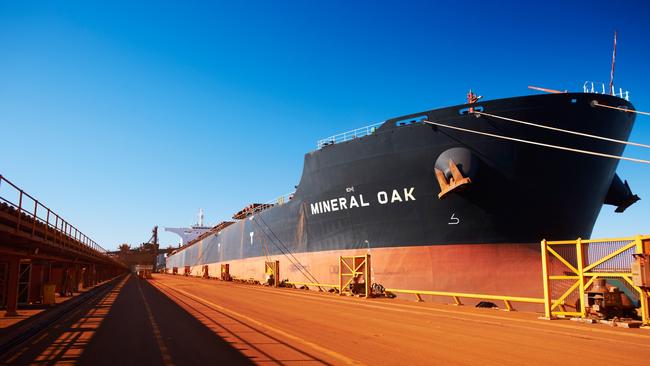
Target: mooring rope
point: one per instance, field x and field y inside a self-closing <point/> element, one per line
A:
<point x="563" y="130"/>
<point x="295" y="261"/>
<point x="539" y="143"/>
<point x="596" y="104"/>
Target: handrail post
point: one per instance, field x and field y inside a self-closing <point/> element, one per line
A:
<point x="457" y="301"/>
<point x="56" y="227"/>
<point x="546" y="281"/>
<point x="645" y="317"/>
<point x="47" y="223"/>
<point x="35" y="217"/>
<point x="581" y="278"/>
<point x="639" y="244"/>
<point x="508" y="305"/>
<point x="340" y="277"/>
<point x="20" y="209"/>
<point x="643" y="295"/>
<point x="368" y="277"/>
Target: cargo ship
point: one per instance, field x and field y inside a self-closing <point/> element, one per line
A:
<point x="449" y="199"/>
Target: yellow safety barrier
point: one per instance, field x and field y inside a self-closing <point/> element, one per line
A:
<point x="610" y="258"/>
<point x="456" y="296"/>
<point x="354" y="270"/>
<point x="272" y="270"/>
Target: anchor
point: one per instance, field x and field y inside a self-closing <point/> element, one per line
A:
<point x="455" y="183"/>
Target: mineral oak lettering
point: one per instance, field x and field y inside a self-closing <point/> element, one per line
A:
<point x="356" y="201"/>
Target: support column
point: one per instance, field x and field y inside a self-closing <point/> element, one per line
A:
<point x="93" y="275"/>
<point x="67" y="285"/>
<point x="76" y="275"/>
<point x="63" y="285"/>
<point x="56" y="275"/>
<point x="12" y="286"/>
<point x="36" y="282"/>
<point x="47" y="272"/>
<point x="86" y="271"/>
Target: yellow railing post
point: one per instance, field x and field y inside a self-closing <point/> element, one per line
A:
<point x="546" y="281"/>
<point x="368" y="278"/>
<point x="581" y="278"/>
<point x="643" y="299"/>
<point x="457" y="301"/>
<point x="340" y="277"/>
<point x="508" y="305"/>
<point x="643" y="293"/>
<point x="639" y="244"/>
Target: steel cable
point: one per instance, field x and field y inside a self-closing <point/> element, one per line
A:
<point x="313" y="278"/>
<point x="288" y="253"/>
<point x="587" y="152"/>
<point x="563" y="130"/>
<point x="596" y="104"/>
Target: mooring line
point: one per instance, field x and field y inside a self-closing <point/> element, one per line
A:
<point x="596" y="104"/>
<point x="587" y="152"/>
<point x="563" y="130"/>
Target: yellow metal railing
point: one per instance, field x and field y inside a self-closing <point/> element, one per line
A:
<point x="611" y="261"/>
<point x="310" y="284"/>
<point x="352" y="270"/>
<point x="456" y="296"/>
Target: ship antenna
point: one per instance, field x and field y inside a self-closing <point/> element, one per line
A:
<point x="201" y="217"/>
<point x="611" y="75"/>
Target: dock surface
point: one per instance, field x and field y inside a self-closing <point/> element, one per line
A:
<point x="177" y="320"/>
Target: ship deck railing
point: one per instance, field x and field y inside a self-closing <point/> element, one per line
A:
<point x="278" y="201"/>
<point x="598" y="87"/>
<point x="282" y="199"/>
<point x="349" y="135"/>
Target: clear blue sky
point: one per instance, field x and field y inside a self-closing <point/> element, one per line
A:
<point x="123" y="116"/>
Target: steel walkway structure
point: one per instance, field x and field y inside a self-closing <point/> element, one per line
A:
<point x="41" y="252"/>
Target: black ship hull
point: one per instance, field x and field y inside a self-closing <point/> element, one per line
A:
<point x="379" y="193"/>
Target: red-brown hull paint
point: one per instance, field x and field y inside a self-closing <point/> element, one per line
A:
<point x="498" y="269"/>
